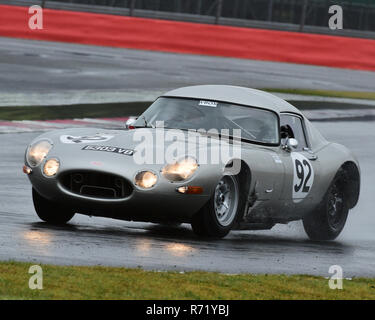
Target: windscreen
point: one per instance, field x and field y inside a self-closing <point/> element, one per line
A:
<point x="256" y="125"/>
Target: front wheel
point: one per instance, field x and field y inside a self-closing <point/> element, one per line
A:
<point x="219" y="214"/>
<point x="330" y="218"/>
<point x="50" y="211"/>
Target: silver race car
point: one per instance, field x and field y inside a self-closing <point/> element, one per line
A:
<point x="168" y="167"/>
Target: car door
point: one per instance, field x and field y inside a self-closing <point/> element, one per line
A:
<point x="301" y="164"/>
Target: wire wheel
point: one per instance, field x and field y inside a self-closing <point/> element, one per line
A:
<point x="335" y="210"/>
<point x="226" y="200"/>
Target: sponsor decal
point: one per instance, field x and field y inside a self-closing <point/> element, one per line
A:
<point x="85" y="139"/>
<point x="126" y="152"/>
<point x="212" y="104"/>
<point x="303" y="176"/>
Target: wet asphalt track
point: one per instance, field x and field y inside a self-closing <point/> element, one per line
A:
<point x="44" y="67"/>
<point x="99" y="241"/>
<point x="55" y="67"/>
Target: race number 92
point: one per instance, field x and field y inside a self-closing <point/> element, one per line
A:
<point x="303" y="176"/>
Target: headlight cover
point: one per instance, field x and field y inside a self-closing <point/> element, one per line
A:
<point x="37" y="152"/>
<point x="180" y="170"/>
<point x="145" y="179"/>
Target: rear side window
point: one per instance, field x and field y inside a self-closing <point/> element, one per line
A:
<point x="291" y="127"/>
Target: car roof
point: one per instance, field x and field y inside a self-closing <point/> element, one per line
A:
<point x="236" y="95"/>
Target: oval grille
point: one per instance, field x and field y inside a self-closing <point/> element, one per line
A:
<point x="96" y="184"/>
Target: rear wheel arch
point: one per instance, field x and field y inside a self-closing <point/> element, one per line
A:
<point x="328" y="220"/>
<point x="351" y="182"/>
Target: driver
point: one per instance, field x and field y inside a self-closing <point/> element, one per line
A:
<point x="286" y="132"/>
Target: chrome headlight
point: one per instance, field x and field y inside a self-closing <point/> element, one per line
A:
<point x="180" y="170"/>
<point x="37" y="152"/>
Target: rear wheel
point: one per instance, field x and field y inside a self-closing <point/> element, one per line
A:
<point x="219" y="214"/>
<point x="50" y="211"/>
<point x="330" y="218"/>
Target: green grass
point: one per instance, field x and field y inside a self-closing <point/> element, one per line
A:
<point x="67" y="282"/>
<point x="73" y="111"/>
<point x="326" y="93"/>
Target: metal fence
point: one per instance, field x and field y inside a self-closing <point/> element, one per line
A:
<point x="358" y="14"/>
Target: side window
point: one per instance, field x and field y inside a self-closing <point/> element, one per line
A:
<point x="291" y="127"/>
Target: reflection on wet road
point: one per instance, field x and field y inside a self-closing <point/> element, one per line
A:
<point x="99" y="241"/>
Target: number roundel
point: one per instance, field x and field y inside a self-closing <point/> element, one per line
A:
<point x="303" y="176"/>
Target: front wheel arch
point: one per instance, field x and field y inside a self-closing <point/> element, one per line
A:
<point x="202" y="222"/>
<point x="49" y="211"/>
<point x="244" y="184"/>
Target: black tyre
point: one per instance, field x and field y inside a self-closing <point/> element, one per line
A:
<point x="51" y="212"/>
<point x="327" y="222"/>
<point x="219" y="214"/>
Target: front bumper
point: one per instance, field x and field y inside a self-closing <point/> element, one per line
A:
<point x="159" y="203"/>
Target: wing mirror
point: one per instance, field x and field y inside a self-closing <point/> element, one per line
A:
<point x="290" y="144"/>
<point x="129" y="122"/>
